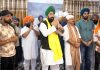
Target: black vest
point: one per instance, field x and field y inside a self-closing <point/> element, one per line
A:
<point x="44" y="40"/>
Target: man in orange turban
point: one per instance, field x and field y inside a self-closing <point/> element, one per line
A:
<point x="28" y="19"/>
<point x="96" y="21"/>
<point x="29" y="34"/>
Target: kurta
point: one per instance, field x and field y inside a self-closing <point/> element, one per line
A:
<point x="29" y="44"/>
<point x="68" y="57"/>
<point x="47" y="55"/>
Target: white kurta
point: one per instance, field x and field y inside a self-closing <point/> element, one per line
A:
<point x="29" y="44"/>
<point x="47" y="55"/>
<point x="96" y="39"/>
<point x="68" y="59"/>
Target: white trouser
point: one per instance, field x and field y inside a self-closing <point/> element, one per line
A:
<point x="52" y="67"/>
<point x="28" y="63"/>
<point x="69" y="67"/>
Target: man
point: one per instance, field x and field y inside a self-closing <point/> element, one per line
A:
<point x="7" y="41"/>
<point x="29" y="35"/>
<point x="96" y="20"/>
<point x="50" y="52"/>
<point x="19" y="54"/>
<point x="38" y="66"/>
<point x="86" y="26"/>
<point x="72" y="44"/>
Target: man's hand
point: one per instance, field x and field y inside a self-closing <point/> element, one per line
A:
<point x="89" y="43"/>
<point x="55" y="23"/>
<point x="60" y="28"/>
<point x="98" y="49"/>
<point x="98" y="38"/>
<point x="77" y="45"/>
<point x="31" y="26"/>
<point x="13" y="39"/>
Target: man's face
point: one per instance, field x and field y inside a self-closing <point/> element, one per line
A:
<point x="51" y="16"/>
<point x="85" y="15"/>
<point x="41" y="19"/>
<point x="95" y="19"/>
<point x="15" y="22"/>
<point x="71" y="21"/>
<point x="7" y="18"/>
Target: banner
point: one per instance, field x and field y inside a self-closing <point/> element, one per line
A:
<point x="38" y="7"/>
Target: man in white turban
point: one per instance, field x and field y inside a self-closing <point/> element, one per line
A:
<point x="71" y="38"/>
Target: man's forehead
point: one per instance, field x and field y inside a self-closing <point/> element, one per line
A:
<point x="86" y="12"/>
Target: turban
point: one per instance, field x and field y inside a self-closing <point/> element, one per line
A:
<point x="84" y="10"/>
<point x="65" y="14"/>
<point x="39" y="17"/>
<point x="69" y="17"/>
<point x="15" y="18"/>
<point x="49" y="9"/>
<point x="5" y="12"/>
<point x="95" y="15"/>
<point x="28" y="19"/>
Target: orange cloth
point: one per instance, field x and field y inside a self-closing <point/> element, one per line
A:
<point x="97" y="27"/>
<point x="28" y="19"/>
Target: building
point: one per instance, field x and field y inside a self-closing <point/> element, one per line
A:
<point x="74" y="6"/>
<point x="17" y="7"/>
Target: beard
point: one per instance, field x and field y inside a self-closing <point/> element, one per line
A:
<point x="85" y="18"/>
<point x="28" y="25"/>
<point x="8" y="21"/>
<point x="51" y="19"/>
<point x="95" y="22"/>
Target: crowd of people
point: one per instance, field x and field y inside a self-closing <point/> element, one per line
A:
<point x="56" y="40"/>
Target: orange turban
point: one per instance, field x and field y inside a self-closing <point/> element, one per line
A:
<point x="97" y="27"/>
<point x="28" y="19"/>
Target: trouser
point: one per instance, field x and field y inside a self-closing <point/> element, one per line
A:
<point x="7" y="63"/>
<point x="97" y="60"/>
<point x="30" y="64"/>
<point x="69" y="67"/>
<point x="86" y="56"/>
<point x="52" y="67"/>
<point x="18" y="56"/>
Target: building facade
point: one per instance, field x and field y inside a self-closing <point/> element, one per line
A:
<point x="74" y="6"/>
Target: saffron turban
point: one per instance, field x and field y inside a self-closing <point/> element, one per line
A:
<point x="28" y="19"/>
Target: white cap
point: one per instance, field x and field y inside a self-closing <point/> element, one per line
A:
<point x="65" y="14"/>
<point x="69" y="17"/>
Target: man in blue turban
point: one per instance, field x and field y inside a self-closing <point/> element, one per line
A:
<point x="86" y="27"/>
<point x="84" y="10"/>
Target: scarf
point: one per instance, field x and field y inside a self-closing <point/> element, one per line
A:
<point x="73" y="50"/>
<point x="54" y="44"/>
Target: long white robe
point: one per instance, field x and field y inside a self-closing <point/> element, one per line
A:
<point x="68" y="58"/>
<point x="29" y="44"/>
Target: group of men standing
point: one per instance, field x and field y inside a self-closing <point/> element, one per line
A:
<point x="79" y="39"/>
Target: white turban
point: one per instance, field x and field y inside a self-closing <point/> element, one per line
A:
<point x="69" y="17"/>
<point x="65" y="14"/>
